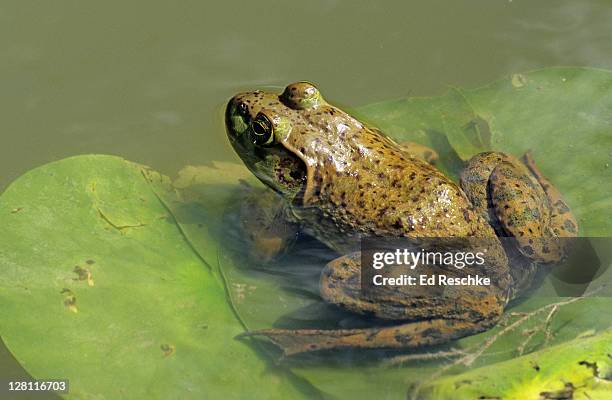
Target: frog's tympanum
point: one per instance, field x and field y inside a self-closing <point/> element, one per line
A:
<point x="342" y="180"/>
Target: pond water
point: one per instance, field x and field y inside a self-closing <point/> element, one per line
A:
<point x="148" y="80"/>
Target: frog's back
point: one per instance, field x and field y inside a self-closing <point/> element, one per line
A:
<point x="368" y="185"/>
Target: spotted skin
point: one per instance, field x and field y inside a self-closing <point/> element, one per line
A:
<point x="417" y="334"/>
<point x="520" y="202"/>
<point x="344" y="180"/>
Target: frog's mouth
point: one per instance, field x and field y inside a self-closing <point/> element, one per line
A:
<point x="274" y="165"/>
<point x="281" y="170"/>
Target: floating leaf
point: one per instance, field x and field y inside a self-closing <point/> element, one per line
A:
<point x="155" y="325"/>
<point x="578" y="369"/>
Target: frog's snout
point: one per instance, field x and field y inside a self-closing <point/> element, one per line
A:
<point x="236" y="115"/>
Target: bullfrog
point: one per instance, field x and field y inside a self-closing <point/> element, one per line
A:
<point x="342" y="180"/>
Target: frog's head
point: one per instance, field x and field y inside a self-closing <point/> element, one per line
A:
<point x="262" y="127"/>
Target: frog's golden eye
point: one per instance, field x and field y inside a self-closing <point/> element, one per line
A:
<point x="262" y="130"/>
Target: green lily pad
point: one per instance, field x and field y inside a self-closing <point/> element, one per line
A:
<point x="99" y="286"/>
<point x="578" y="369"/>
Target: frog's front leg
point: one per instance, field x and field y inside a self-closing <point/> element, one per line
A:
<point x="458" y="312"/>
<point x="266" y="220"/>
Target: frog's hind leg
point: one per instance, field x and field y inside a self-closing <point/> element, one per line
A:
<point x="517" y="200"/>
<point x="474" y="181"/>
<point x="408" y="335"/>
<point x="522" y="207"/>
<point x="424" y="320"/>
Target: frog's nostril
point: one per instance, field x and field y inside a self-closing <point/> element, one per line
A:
<point x="243" y="108"/>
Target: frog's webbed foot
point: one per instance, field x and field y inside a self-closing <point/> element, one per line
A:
<point x="266" y="224"/>
<point x="420" y="151"/>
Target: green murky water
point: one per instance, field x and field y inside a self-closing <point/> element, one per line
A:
<point x="147" y="80"/>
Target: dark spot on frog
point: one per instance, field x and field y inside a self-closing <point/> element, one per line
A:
<point x="433" y="333"/>
<point x="90" y="262"/>
<point x="569" y="225"/>
<point x="562" y="208"/>
<point x="403" y="339"/>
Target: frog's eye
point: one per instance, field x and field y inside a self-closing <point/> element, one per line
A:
<point x="262" y="130"/>
<point x="301" y="95"/>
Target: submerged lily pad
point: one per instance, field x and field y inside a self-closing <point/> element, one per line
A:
<point x="139" y="287"/>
